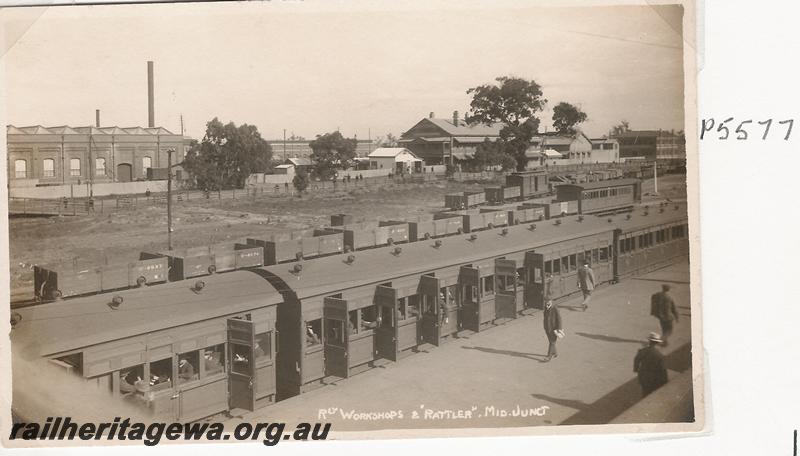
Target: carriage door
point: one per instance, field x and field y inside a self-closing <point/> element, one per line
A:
<point x="505" y="298"/>
<point x="469" y="279"/>
<point x="534" y="280"/>
<point x="430" y="322"/>
<point x="337" y="337"/>
<point x="386" y="333"/>
<point x="241" y="380"/>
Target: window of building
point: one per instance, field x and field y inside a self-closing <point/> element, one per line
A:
<point x="48" y="167"/>
<point x="99" y="166"/>
<point x="214" y="359"/>
<point x="75" y="167"/>
<point x="20" y="169"/>
<point x="147" y="163"/>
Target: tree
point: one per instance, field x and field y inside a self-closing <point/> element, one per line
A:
<point x="513" y="102"/>
<point x="566" y="117"/>
<point x="300" y="180"/>
<point x="389" y="140"/>
<point x="227" y="155"/>
<point x="623" y="127"/>
<point x="330" y="152"/>
<point x="490" y="154"/>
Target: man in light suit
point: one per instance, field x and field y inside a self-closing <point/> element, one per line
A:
<point x="586" y="283"/>
<point x="663" y="307"/>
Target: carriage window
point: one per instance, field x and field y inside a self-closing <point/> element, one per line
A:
<point x="521" y="276"/>
<point x="334" y="332"/>
<point x="587" y="255"/>
<point x="161" y="374"/>
<point x="313" y="332"/>
<point x="131" y="380"/>
<point x="580" y="259"/>
<point x="640" y="242"/>
<point x="630" y="244"/>
<point x="595" y="256"/>
<point x="263" y="348"/>
<point x="369" y="317"/>
<point x="565" y="264"/>
<point x="412" y="306"/>
<point x="188" y="366"/>
<point x="488" y="285"/>
<point x="603" y="255"/>
<point x="386" y="319"/>
<point x="573" y="262"/>
<point x="401" y="308"/>
<point x="548" y="267"/>
<point x="352" y="322"/>
<point x="240" y="358"/>
<point x="214" y="359"/>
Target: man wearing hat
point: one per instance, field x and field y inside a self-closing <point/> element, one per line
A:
<point x="663" y="307"/>
<point x="552" y="328"/>
<point x="586" y="282"/>
<point x="650" y="366"/>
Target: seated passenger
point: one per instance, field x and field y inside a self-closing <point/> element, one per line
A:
<point x="185" y="370"/>
<point x="212" y="361"/>
<point x="366" y="324"/>
<point x="258" y="351"/>
<point x="127" y="382"/>
<point x="311" y="337"/>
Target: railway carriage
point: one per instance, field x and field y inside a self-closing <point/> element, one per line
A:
<point x="273" y="332"/>
<point x="132" y="343"/>
<point x="601" y="196"/>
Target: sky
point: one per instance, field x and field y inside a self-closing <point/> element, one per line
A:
<point x="367" y="69"/>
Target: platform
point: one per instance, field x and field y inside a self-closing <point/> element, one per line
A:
<point x="497" y="378"/>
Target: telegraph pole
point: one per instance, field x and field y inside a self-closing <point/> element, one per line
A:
<point x="655" y="176"/>
<point x="169" y="198"/>
<point x="284" y="144"/>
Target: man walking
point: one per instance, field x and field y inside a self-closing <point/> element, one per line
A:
<point x="650" y="366"/>
<point x="663" y="307"/>
<point x="586" y="283"/>
<point x="552" y="328"/>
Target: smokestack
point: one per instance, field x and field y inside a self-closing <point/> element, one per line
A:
<point x="455" y="118"/>
<point x="97" y="118"/>
<point x="151" y="113"/>
<point x="430" y="116"/>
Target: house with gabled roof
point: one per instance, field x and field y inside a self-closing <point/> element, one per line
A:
<point x="440" y="141"/>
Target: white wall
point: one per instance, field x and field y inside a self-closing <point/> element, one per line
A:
<point x="82" y="190"/>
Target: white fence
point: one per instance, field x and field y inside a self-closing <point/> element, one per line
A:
<point x="83" y="190"/>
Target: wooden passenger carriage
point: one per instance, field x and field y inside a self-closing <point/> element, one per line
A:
<point x="131" y="343"/>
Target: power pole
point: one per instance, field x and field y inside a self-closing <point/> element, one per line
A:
<point x="181" y="124"/>
<point x="655" y="176"/>
<point x="169" y="198"/>
<point x="284" y="144"/>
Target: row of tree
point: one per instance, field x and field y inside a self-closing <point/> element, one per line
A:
<point x="515" y="102"/>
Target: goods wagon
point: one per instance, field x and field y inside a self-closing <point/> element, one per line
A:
<point x="464" y="200"/>
<point x="367" y="235"/>
<point x="283" y="247"/>
<point x="499" y="195"/>
<point x="476" y="220"/>
<point x="53" y="282"/>
<point x="530" y="183"/>
<point x="186" y="263"/>
<point x="431" y="227"/>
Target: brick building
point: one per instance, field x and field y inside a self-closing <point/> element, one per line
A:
<point x="443" y="141"/>
<point x="40" y="155"/>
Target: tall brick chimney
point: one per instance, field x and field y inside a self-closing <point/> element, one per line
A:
<point x="455" y="118"/>
<point x="431" y="116"/>
<point x="97" y="118"/>
<point x="151" y="112"/>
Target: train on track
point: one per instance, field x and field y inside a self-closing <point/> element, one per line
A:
<point x="241" y="340"/>
<point x="346" y="235"/>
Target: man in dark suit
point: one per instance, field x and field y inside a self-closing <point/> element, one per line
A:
<point x="663" y="307"/>
<point x="650" y="366"/>
<point x="552" y="328"/>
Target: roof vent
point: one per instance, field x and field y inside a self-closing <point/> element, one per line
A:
<point x="627" y="216"/>
<point x="397" y="251"/>
<point x="437" y="243"/>
<point x="504" y="232"/>
<point x="473" y="237"/>
<point x="198" y="286"/>
<point x="580" y="218"/>
<point x="532" y="227"/>
<point x="558" y="222"/>
<point x="350" y="259"/>
<point x="297" y="269"/>
<point x="116" y="301"/>
<point x="610" y="220"/>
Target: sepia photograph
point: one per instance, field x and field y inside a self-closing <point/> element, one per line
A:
<point x="305" y="220"/>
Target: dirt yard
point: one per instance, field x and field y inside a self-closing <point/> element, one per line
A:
<point x="120" y="236"/>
